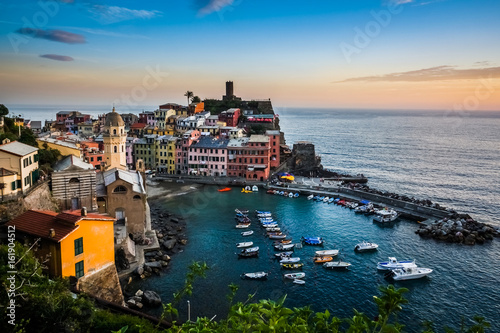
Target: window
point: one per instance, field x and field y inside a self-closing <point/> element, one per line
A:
<point x="78" y="246"/>
<point x="79" y="272"/>
<point x="137" y="197"/>
<point x="120" y="189"/>
<point x="13" y="185"/>
<point x="115" y="149"/>
<point x="74" y="180"/>
<point x="99" y="158"/>
<point x="91" y="159"/>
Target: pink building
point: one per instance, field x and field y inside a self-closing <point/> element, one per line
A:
<point x="274" y="144"/>
<point x="147" y="117"/>
<point x="129" y="152"/>
<point x="208" y="157"/>
<point x="182" y="149"/>
<point x="230" y="117"/>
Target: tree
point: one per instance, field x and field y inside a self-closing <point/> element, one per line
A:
<point x="3" y="110"/>
<point x="189" y="95"/>
<point x="196" y="99"/>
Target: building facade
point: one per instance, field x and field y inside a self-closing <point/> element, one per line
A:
<point x="114" y="138"/>
<point x="21" y="159"/>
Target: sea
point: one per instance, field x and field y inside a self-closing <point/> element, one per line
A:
<point x="452" y="158"/>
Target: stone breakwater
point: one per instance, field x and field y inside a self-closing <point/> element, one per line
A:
<point x="459" y="229"/>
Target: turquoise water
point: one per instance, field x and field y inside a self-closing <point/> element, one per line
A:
<point x="463" y="282"/>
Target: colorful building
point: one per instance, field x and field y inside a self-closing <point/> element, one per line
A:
<point x="21" y="159"/>
<point x="66" y="147"/>
<point x="165" y="154"/>
<point x="148" y="118"/>
<point x="114" y="138"/>
<point x="145" y="150"/>
<point x="208" y="157"/>
<point x="182" y="148"/>
<point x="230" y="117"/>
<point x="274" y="146"/>
<point x="249" y="157"/>
<point x="92" y="153"/>
<point x="161" y="116"/>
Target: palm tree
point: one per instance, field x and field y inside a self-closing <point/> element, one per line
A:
<point x="189" y="95"/>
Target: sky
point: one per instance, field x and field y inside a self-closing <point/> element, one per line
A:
<point x="384" y="54"/>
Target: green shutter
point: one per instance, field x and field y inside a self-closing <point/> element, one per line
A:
<point x="14" y="185"/>
<point x="79" y="269"/>
<point x="78" y="246"/>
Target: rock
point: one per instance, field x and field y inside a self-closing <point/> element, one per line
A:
<point x="151" y="298"/>
<point x="183" y="241"/>
<point x="137" y="299"/>
<point x="165" y="257"/>
<point x="154" y="264"/>
<point x="139" y="270"/>
<point x="131" y="303"/>
<point x="164" y="263"/>
<point x="175" y="220"/>
<point x="169" y="244"/>
<point x="139" y="305"/>
<point x="150" y="254"/>
<point x="139" y="293"/>
<point x="470" y="240"/>
<point x="160" y="236"/>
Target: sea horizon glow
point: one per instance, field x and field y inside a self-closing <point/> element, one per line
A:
<point x="387" y="54"/>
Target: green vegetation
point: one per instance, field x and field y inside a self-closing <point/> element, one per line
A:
<point x="196" y="99"/>
<point x="189" y="95"/>
<point x="44" y="305"/>
<point x="3" y="110"/>
<point x="216" y="106"/>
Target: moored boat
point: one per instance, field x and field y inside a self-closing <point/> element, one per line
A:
<point x="336" y="264"/>
<point x="245" y="191"/>
<point x="408" y="273"/>
<point x="277" y="236"/>
<point x="284" y="254"/>
<point x="293" y="276"/>
<point x="385" y="215"/>
<point x="284" y="247"/>
<point x="312" y="240"/>
<point x="393" y="263"/>
<point x="297" y="265"/>
<point x="288" y="260"/>
<point x="226" y="189"/>
<point x="322" y="259"/>
<point x="332" y="253"/>
<point x="249" y="252"/>
<point x="255" y="188"/>
<point x="325" y="199"/>
<point x="242" y="225"/>
<point x="244" y="244"/>
<point x="273" y="228"/>
<point x="255" y="276"/>
<point x="296" y="195"/>
<point x="247" y="233"/>
<point x="365" y="246"/>
<point x="299" y="281"/>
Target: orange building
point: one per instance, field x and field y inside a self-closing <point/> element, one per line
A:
<point x="77" y="243"/>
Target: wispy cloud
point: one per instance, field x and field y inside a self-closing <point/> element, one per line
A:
<point x="113" y="14"/>
<point x="214" y="6"/>
<point x="102" y="32"/>
<point x="56" y="57"/>
<point x="53" y="35"/>
<point x="431" y="74"/>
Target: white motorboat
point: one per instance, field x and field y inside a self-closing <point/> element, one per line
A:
<point x="266" y="219"/>
<point x="273" y="229"/>
<point x="244" y="244"/>
<point x="260" y="213"/>
<point x="336" y="264"/>
<point x="294" y="276"/>
<point x="270" y="225"/>
<point x="363" y="209"/>
<point x="284" y="254"/>
<point x="247" y="233"/>
<point x="310" y="197"/>
<point x="385" y="215"/>
<point x="365" y="246"/>
<point x="408" y="273"/>
<point x="255" y="188"/>
<point x="325" y="199"/>
<point x="393" y="263"/>
<point x="284" y="247"/>
<point x="255" y="276"/>
<point x="299" y="281"/>
<point x="331" y="253"/>
<point x="289" y="260"/>
<point x="242" y="225"/>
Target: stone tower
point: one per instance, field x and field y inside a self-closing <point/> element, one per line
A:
<point x="114" y="138"/>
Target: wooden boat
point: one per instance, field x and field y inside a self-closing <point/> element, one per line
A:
<point x="332" y="253"/>
<point x="255" y="276"/>
<point x="320" y="260"/>
<point x="247" y="233"/>
<point x="297" y="265"/>
<point x="225" y="189"/>
<point x="336" y="265"/>
<point x="270" y="191"/>
<point x="293" y="276"/>
<point x="244" y="244"/>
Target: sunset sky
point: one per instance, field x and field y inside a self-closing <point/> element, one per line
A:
<point x="399" y="54"/>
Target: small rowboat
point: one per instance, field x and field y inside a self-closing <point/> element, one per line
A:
<point x="299" y="281"/>
<point x="332" y="253"/>
<point x="284" y="254"/>
<point x="224" y="189"/>
<point x="247" y="233"/>
<point x="242" y="225"/>
<point x="336" y="264"/>
<point x="297" y="265"/>
<point x="277" y="236"/>
<point x="273" y="229"/>
<point x="284" y="247"/>
<point x="244" y="244"/>
<point x="322" y="259"/>
<point x="283" y="241"/>
<point x="255" y="276"/>
<point x="294" y="276"/>
<point x="289" y="260"/>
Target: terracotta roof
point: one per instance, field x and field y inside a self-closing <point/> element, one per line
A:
<point x="138" y="125"/>
<point x="39" y="222"/>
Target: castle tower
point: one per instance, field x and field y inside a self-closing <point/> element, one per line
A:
<point x="114" y="138"/>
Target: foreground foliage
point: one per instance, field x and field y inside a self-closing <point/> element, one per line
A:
<point x="45" y="305"/>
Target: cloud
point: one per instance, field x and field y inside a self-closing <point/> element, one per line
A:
<point x="113" y="14"/>
<point x="53" y="35"/>
<point x="56" y="57"/>
<point x="101" y="32"/>
<point x="214" y="6"/>
<point x="431" y="74"/>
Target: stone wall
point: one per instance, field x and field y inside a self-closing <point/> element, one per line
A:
<point x="103" y="284"/>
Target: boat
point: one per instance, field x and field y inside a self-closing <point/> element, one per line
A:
<point x="270" y="225"/>
<point x="312" y="240"/>
<point x="332" y="253"/>
<point x="296" y="195"/>
<point x="325" y="199"/>
<point x="297" y="265"/>
<point x="241" y="211"/>
<point x="277" y="236"/>
<point x="310" y="197"/>
<point x="408" y="273"/>
<point x="247" y="233"/>
<point x="365" y="246"/>
<point x="255" y="276"/>
<point x="299" y="281"/>
<point x="285" y="194"/>
<point x="270" y="191"/>
<point x="293" y="276"/>
<point x="283" y="247"/>
<point x="283" y="241"/>
<point x="288" y="260"/>
<point x="273" y="228"/>
<point x="284" y="254"/>
<point x="393" y="263"/>
<point x="385" y="215"/>
<point x="322" y="259"/>
<point x="248" y="188"/>
<point x="249" y="252"/>
<point x="261" y="213"/>
<point x="244" y="244"/>
<point x="336" y="264"/>
<point x="266" y="219"/>
<point x="320" y="198"/>
<point x="242" y="225"/>
<point x="245" y="191"/>
<point x="314" y="197"/>
<point x="255" y="188"/>
<point x="363" y="209"/>
<point x="225" y="189"/>
<point x="290" y="195"/>
<point x="330" y="201"/>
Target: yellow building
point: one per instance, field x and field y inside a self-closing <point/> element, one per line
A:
<point x="78" y="243"/>
<point x="114" y="139"/>
<point x="21" y="159"/>
<point x="65" y="147"/>
<point x="165" y="154"/>
<point x="9" y="188"/>
<point x="161" y="116"/>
